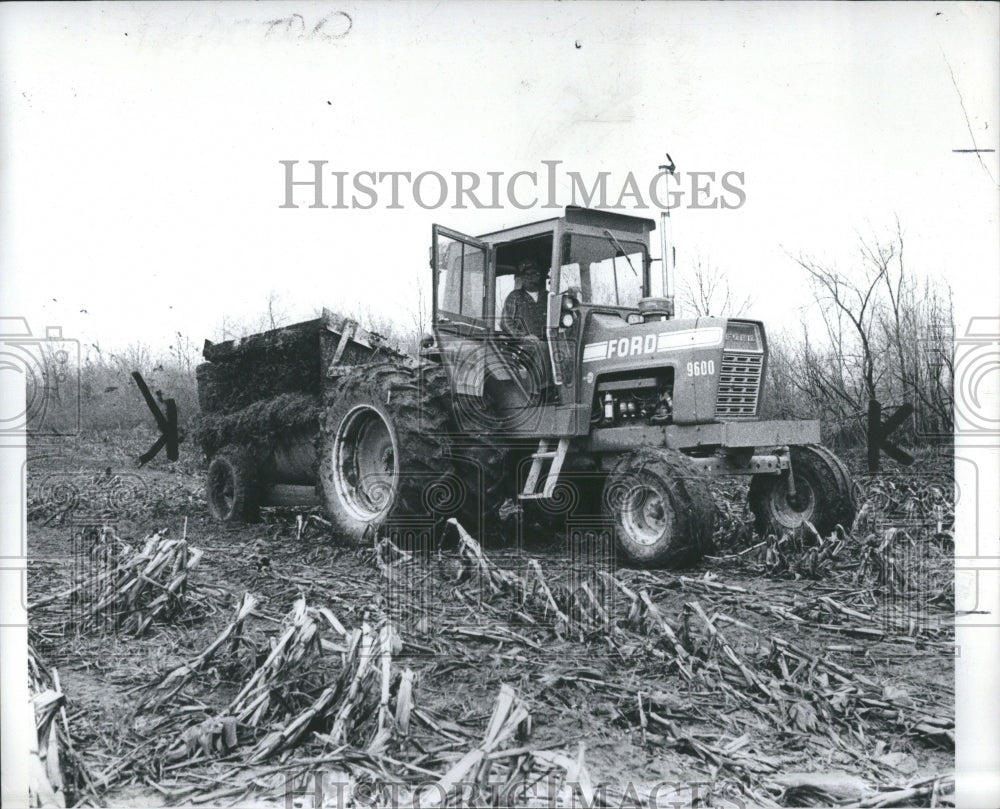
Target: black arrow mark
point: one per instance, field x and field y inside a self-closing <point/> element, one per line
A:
<point x="878" y="432"/>
<point x="167" y="424"/>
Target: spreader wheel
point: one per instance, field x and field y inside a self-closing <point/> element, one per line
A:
<point x="231" y="486"/>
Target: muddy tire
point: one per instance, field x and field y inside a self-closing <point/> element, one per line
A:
<point x="824" y="494"/>
<point x="662" y="509"/>
<point x="384" y="450"/>
<point x="231" y="486"/>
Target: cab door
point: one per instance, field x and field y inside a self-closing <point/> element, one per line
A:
<point x="463" y="295"/>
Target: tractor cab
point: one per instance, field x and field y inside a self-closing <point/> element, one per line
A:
<point x="520" y="376"/>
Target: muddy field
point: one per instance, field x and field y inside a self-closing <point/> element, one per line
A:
<point x="274" y="663"/>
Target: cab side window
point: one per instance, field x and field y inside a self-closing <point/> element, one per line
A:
<point x="461" y="278"/>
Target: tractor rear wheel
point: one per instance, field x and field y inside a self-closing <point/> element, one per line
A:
<point x="824" y="494"/>
<point x="662" y="508"/>
<point x="231" y="486"/>
<point x="384" y="450"/>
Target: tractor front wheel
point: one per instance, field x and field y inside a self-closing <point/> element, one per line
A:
<point x="662" y="509"/>
<point x="824" y="494"/>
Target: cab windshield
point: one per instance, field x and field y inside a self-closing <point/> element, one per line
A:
<point x="605" y="269"/>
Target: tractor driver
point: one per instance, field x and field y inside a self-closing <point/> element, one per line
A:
<point x="524" y="311"/>
<point x="524" y="316"/>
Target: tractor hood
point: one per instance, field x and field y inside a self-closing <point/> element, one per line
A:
<point x="713" y="366"/>
<point x="612" y="344"/>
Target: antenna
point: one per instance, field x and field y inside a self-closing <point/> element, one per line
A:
<point x="666" y="247"/>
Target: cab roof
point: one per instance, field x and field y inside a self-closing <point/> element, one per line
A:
<point x="574" y="215"/>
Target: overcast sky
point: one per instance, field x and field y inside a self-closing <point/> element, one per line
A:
<point x="140" y="144"/>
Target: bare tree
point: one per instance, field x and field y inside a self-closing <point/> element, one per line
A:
<point x="276" y="315"/>
<point x="419" y="314"/>
<point x="705" y="290"/>
<point x="184" y="352"/>
<point x="885" y="337"/>
<point x="855" y="300"/>
<point x="916" y="327"/>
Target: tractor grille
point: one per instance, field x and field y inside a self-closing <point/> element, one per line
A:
<point x="739" y="386"/>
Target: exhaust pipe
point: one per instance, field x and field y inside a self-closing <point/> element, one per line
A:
<point x="666" y="246"/>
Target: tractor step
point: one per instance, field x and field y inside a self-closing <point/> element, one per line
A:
<point x="555" y="457"/>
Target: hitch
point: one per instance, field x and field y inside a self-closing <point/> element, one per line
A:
<point x="790" y="475"/>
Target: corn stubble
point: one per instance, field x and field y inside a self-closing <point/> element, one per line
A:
<point x="345" y="692"/>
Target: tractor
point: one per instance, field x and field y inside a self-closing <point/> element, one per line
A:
<point x="608" y="406"/>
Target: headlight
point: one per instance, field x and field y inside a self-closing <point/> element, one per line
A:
<point x="568" y="302"/>
<point x="567" y="319"/>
